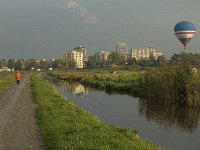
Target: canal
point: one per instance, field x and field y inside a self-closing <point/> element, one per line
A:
<point x="169" y="126"/>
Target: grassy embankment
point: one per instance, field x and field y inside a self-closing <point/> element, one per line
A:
<point x="120" y="81"/>
<point x="6" y="79"/>
<point x="65" y="126"/>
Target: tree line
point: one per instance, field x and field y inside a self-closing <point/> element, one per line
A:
<point x="31" y="64"/>
<point x="114" y="60"/>
<point x="119" y="60"/>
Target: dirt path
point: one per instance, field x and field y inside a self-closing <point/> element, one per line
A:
<point x="18" y="129"/>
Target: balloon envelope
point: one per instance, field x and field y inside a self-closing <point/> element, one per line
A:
<point x="184" y="31"/>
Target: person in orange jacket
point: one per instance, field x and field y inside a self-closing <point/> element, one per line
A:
<point x="17" y="77"/>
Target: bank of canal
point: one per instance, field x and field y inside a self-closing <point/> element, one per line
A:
<point x="170" y="127"/>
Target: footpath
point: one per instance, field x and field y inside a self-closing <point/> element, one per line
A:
<point x="18" y="126"/>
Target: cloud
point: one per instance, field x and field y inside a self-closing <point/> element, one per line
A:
<point x="82" y="10"/>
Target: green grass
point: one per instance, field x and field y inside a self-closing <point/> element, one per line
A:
<point x="65" y="126"/>
<point x="6" y="79"/>
<point x="118" y="77"/>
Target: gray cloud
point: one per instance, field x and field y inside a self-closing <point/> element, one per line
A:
<point x="82" y="10"/>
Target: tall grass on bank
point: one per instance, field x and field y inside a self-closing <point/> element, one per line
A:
<point x="172" y="84"/>
<point x="6" y="79"/>
<point x="65" y="126"/>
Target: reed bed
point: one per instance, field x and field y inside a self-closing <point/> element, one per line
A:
<point x="172" y="84"/>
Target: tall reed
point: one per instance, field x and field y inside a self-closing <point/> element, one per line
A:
<point x="172" y="84"/>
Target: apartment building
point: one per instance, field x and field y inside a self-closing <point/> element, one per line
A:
<point x="74" y="59"/>
<point x="83" y="50"/>
<point x="102" y="56"/>
<point x="122" y="48"/>
<point x="144" y="53"/>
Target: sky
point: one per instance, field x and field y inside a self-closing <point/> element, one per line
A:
<point x="48" y="28"/>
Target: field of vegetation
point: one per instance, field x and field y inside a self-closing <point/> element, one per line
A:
<point x="6" y="79"/>
<point x="65" y="126"/>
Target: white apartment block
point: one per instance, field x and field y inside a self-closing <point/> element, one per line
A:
<point x="83" y="50"/>
<point x="144" y="53"/>
<point x="122" y="48"/>
<point x="74" y="57"/>
<point x="102" y="56"/>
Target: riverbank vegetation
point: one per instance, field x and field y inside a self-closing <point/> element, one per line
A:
<point x="170" y="84"/>
<point x="120" y="81"/>
<point x="65" y="126"/>
<point x="178" y="84"/>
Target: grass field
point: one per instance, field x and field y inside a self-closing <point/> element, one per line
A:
<point x="6" y="79"/>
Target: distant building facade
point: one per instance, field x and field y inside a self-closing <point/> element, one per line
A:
<point x="144" y="53"/>
<point x="102" y="56"/>
<point x="122" y="48"/>
<point x="75" y="58"/>
<point x="83" y="50"/>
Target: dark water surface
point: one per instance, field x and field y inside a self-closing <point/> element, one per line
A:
<point x="169" y="126"/>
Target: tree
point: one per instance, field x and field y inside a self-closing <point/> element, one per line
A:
<point x="18" y="65"/>
<point x="43" y="64"/>
<point x="92" y="62"/>
<point x="116" y="58"/>
<point x="131" y="61"/>
<point x="186" y="58"/>
<point x="161" y="60"/>
<point x="34" y="64"/>
<point x="58" y="64"/>
<point x="11" y="63"/>
<point x="1" y="64"/>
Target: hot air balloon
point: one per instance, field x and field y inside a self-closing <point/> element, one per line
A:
<point x="184" y="31"/>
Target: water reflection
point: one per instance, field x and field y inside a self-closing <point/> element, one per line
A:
<point x="75" y="88"/>
<point x="169" y="116"/>
<point x="71" y="87"/>
<point x="185" y="118"/>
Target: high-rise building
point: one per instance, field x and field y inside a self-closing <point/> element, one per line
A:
<point x="83" y="50"/>
<point x="122" y="48"/>
<point x="74" y="59"/>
